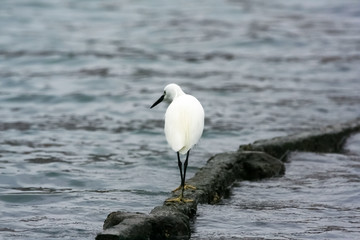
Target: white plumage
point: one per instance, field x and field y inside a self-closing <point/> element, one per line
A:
<point x="184" y="121"/>
<point x="184" y="124"/>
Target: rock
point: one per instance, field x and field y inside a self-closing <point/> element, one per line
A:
<point x="220" y="172"/>
<point x="261" y="159"/>
<point x="162" y="223"/>
<point x="171" y="221"/>
<point x="329" y="139"/>
<point x="260" y="167"/>
<point x="126" y="226"/>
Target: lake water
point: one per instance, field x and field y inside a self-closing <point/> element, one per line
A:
<point x="77" y="78"/>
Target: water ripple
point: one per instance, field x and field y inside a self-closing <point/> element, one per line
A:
<point x="78" y="140"/>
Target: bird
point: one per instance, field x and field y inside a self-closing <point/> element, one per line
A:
<point x="184" y="125"/>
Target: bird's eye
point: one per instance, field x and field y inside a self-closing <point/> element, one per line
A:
<point x="164" y="92"/>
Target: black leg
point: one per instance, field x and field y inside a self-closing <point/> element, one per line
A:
<point x="185" y="166"/>
<point x="180" y="168"/>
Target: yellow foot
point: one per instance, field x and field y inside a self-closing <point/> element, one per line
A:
<point x="186" y="187"/>
<point x="179" y="199"/>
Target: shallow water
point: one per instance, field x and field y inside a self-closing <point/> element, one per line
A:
<point x="318" y="198"/>
<point x="77" y="137"/>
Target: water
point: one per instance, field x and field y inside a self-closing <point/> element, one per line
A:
<point x="318" y="198"/>
<point x="77" y="137"/>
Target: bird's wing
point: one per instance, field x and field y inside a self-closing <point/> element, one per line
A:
<point x="184" y="123"/>
<point x="175" y="126"/>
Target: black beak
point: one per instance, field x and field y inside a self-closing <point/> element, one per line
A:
<point x="158" y="101"/>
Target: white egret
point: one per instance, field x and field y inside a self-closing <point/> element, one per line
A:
<point x="184" y="124"/>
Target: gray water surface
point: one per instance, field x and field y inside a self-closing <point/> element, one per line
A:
<point x="318" y="198"/>
<point x="77" y="78"/>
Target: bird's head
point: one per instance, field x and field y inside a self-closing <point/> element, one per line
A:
<point x="171" y="92"/>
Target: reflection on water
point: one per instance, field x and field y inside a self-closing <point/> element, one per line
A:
<point x="77" y="78"/>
